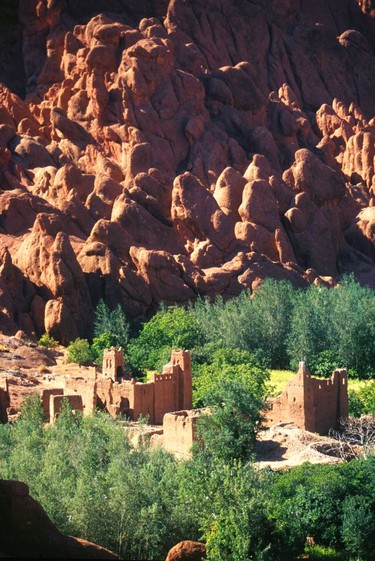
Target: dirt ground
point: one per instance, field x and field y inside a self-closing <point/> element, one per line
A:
<point x="285" y="445"/>
<point x="27" y="367"/>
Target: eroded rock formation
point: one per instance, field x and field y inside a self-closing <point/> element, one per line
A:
<point x="155" y="151"/>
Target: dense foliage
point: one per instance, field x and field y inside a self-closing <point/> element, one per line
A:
<point x="79" y="351"/>
<point x="140" y="502"/>
<point x="278" y="325"/>
<point x="362" y="400"/>
<point x="111" y="329"/>
<point x="170" y="328"/>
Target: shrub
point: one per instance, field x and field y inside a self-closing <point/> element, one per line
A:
<point x="356" y="407"/>
<point x="367" y="397"/>
<point x="362" y="401"/>
<point x="229" y="364"/>
<point x="228" y="431"/>
<point x="323" y="364"/>
<point x="170" y="328"/>
<point x="104" y="341"/>
<point x="358" y="527"/>
<point x="47" y="341"/>
<point x="79" y="351"/>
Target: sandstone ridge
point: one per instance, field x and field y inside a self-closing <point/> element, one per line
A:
<point x="154" y="151"/>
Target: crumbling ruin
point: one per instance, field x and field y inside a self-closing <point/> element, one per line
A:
<point x="165" y="400"/>
<point x="113" y="364"/>
<point x="313" y="404"/>
<point x="113" y="391"/>
<point x="179" y="432"/>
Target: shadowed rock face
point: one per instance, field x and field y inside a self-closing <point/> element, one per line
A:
<point x="164" y="151"/>
<point x="27" y="532"/>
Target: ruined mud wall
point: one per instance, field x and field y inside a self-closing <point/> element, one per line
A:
<point x="313" y="404"/>
<point x="331" y="401"/>
<point x="179" y="432"/>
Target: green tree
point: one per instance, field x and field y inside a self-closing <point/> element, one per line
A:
<point x="228" y="502"/>
<point x="228" y="431"/>
<point x="112" y="323"/>
<point x="272" y="303"/>
<point x="230" y="364"/>
<point x="79" y="352"/>
<point x="240" y="528"/>
<point x="61" y="466"/>
<point x="171" y="328"/>
<point x="222" y="323"/>
<point x="27" y="443"/>
<point x="103" y="341"/>
<point x="257" y="322"/>
<point x="353" y="326"/>
<point x="358" y="528"/>
<point x="307" y="501"/>
<point x="102" y="318"/>
<point x="311" y="325"/>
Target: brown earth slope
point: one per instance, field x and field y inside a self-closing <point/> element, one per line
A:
<point x="161" y="151"/>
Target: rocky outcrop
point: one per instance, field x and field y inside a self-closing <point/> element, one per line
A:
<point x="27" y="532"/>
<point x="187" y="551"/>
<point x="166" y="150"/>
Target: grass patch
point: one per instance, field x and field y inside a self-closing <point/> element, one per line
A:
<point x="356" y="385"/>
<point x="278" y="381"/>
<point x="149" y="374"/>
<point x="320" y="553"/>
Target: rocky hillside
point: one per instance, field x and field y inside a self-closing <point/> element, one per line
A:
<point x="154" y="151"/>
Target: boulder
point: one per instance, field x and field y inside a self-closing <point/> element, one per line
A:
<point x="187" y="550"/>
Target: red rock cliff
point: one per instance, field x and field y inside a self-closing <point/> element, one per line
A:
<point x="160" y="151"/>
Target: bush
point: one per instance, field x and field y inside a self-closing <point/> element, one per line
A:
<point x="356" y="407"/>
<point x="47" y="341"/>
<point x="358" y="527"/>
<point x="104" y="341"/>
<point x="79" y="352"/>
<point x="367" y="397"/>
<point x="228" y="431"/>
<point x="228" y="364"/>
<point x="362" y="401"/>
<point x="174" y="327"/>
<point x="320" y="553"/>
<point x="323" y="364"/>
<point x="237" y="526"/>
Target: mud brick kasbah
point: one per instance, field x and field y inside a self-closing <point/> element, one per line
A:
<point x="313" y="404"/>
<point x="113" y="390"/>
